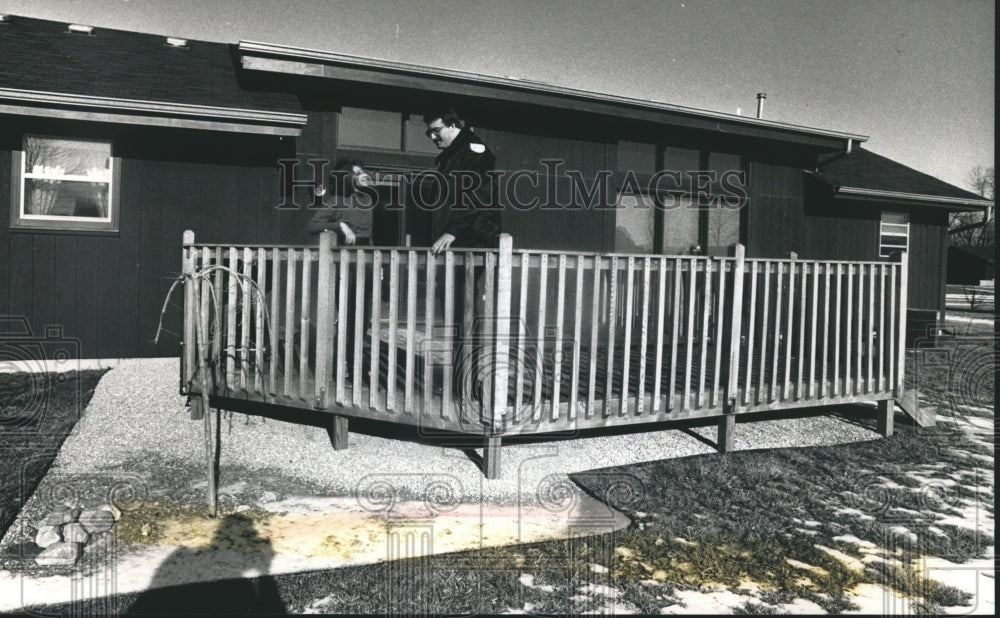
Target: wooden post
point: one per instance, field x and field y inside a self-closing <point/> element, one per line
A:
<point x="501" y="366"/>
<point x="491" y="457"/>
<point x="885" y="420"/>
<point x="898" y="390"/>
<point x="338" y="432"/>
<point x="324" y="314"/>
<point x="727" y="424"/>
<point x="190" y="311"/>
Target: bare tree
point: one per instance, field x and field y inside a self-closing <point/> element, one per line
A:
<point x="975" y="229"/>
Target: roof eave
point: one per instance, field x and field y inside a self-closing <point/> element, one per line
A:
<point x="919" y="199"/>
<point x="308" y="62"/>
<point x="156" y="113"/>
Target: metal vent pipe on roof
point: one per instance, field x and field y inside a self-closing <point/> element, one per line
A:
<point x="760" y="104"/>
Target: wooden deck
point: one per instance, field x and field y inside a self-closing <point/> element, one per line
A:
<point x="507" y="342"/>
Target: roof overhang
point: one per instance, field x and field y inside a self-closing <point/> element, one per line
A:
<point x="272" y="58"/>
<point x="148" y="113"/>
<point x="910" y="199"/>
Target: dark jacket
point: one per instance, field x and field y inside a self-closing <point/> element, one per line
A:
<point x="474" y="217"/>
<point x="357" y="216"/>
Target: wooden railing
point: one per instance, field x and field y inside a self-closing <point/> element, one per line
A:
<point x="503" y="341"/>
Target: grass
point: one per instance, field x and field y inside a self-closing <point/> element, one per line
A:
<point x="37" y="412"/>
<point x="773" y="526"/>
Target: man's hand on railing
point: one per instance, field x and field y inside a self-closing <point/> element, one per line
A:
<point x="349" y="236"/>
<point x="443" y="243"/>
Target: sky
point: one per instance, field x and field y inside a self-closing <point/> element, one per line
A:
<point x="916" y="76"/>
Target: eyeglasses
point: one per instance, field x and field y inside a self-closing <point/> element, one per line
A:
<point x="434" y="131"/>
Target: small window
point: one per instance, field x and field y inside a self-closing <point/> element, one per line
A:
<point x="370" y="128"/>
<point x="67" y="184"/>
<point x="894" y="233"/>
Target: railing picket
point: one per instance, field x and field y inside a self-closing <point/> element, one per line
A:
<point x="660" y="310"/>
<point x="826" y="330"/>
<point x="447" y="388"/>
<point x="536" y="407"/>
<point x="881" y="327"/>
<point x="706" y="309"/>
<point x="340" y="304"/>
<point x="750" y="331"/>
<point x="306" y="322"/>
<point x="577" y="332"/>
<point x="232" y="383"/>
<point x="674" y="334"/>
<point x="595" y="300"/>
<point x="290" y="319"/>
<point x="640" y="391"/>
<point x="836" y="333"/>
<point x="468" y="324"/>
<point x="763" y="331"/>
<point x="787" y="394"/>
<point x="430" y="287"/>
<point x="612" y="320"/>
<point x="275" y="319"/>
<point x="718" y="331"/>
<point x="360" y="257"/>
<point x="859" y="332"/>
<point x="892" y="326"/>
<point x="374" y="380"/>
<point x="870" y="330"/>
<point x="811" y="387"/>
<point x="218" y="284"/>
<point x="627" y="343"/>
<point x="689" y="338"/>
<point x="258" y="295"/>
<point x="558" y="352"/>
<point x="522" y="328"/>
<point x="848" y="323"/>
<point x="488" y="357"/>
<point x="390" y="376"/>
<point x="411" y="330"/>
<point x="803" y="304"/>
<point x="247" y="300"/>
<point x="205" y="300"/>
<point x="776" y="342"/>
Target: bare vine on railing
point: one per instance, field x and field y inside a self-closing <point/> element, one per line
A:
<point x="199" y="277"/>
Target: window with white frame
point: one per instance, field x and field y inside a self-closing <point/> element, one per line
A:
<point x="894" y="233"/>
<point x="65" y="183"/>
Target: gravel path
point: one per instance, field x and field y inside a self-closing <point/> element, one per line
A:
<point x="136" y="413"/>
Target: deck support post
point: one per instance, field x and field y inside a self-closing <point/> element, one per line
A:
<point x="189" y="344"/>
<point x="338" y="432"/>
<point x="325" y="312"/>
<point x="491" y="457"/>
<point x="886" y="409"/>
<point x="727" y="424"/>
<point x="727" y="427"/>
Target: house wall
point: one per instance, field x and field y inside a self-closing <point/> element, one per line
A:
<point x="106" y="290"/>
<point x="789" y="213"/>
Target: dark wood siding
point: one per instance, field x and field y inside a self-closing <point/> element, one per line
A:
<point x="106" y="290"/>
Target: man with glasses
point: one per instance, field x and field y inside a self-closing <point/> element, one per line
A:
<point x="466" y="214"/>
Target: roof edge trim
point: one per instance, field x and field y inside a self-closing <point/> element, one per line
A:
<point x="171" y="109"/>
<point x="861" y="193"/>
<point x="297" y="53"/>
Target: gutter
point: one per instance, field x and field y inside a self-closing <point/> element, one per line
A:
<point x="35" y="102"/>
<point x="360" y="62"/>
<point x="862" y="193"/>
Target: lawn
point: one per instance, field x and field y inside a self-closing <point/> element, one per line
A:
<point x="781" y="530"/>
<point x="37" y="412"/>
